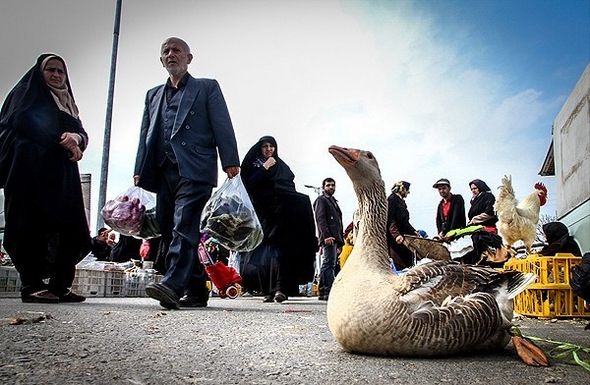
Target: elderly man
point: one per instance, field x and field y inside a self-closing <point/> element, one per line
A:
<point x="450" y="213"/>
<point x="185" y="124"/>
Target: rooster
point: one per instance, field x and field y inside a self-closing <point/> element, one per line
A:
<point x="518" y="221"/>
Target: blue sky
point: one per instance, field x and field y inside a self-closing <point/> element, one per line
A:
<point x="526" y="39"/>
<point x="450" y="88"/>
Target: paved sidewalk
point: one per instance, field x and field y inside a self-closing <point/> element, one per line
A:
<point x="241" y="341"/>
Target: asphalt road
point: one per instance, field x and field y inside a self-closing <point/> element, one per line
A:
<point x="241" y="341"/>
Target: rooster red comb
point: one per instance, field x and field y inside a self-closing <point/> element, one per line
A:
<point x="541" y="186"/>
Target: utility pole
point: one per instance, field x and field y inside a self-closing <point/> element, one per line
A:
<point x="316" y="189"/>
<point x="106" y="144"/>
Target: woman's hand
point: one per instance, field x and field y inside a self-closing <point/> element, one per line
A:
<point x="71" y="142"/>
<point x="269" y="163"/>
<point x="75" y="154"/>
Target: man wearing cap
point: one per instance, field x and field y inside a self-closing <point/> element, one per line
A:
<point x="450" y="213"/>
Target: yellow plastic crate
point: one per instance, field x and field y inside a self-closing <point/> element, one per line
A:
<point x="552" y="272"/>
<point x="550" y="295"/>
<point x="551" y="303"/>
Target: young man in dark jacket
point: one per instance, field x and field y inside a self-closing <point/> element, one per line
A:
<point x="329" y="222"/>
<point x="450" y="213"/>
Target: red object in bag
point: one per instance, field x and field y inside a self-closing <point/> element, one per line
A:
<point x="225" y="278"/>
<point x="144" y="249"/>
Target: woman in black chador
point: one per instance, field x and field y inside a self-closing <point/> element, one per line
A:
<point x="286" y="255"/>
<point x="41" y="141"/>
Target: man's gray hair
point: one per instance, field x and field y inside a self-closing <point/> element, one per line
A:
<point x="176" y="40"/>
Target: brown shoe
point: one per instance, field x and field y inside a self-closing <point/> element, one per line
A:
<point x="42" y="296"/>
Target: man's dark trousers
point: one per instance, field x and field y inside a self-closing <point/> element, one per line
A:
<point x="327" y="270"/>
<point x="180" y="202"/>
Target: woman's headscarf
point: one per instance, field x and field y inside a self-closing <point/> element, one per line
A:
<point x="62" y="96"/>
<point x="559" y="240"/>
<point x="483" y="203"/>
<point x="481" y="185"/>
<point x="30" y="91"/>
<point x="280" y="174"/>
<point x="401" y="188"/>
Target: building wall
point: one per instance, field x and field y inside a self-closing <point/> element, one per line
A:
<point x="571" y="138"/>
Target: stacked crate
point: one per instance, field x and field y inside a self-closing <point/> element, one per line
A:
<point x="115" y="283"/>
<point x="550" y="295"/>
<point x="10" y="284"/>
<point x="89" y="282"/>
<point x="136" y="281"/>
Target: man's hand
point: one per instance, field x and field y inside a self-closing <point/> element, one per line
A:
<point x="104" y="236"/>
<point x="231" y="171"/>
<point x="329" y="241"/>
<point x="399" y="239"/>
<point x="135" y="180"/>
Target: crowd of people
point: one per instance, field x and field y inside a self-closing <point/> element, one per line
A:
<point x="185" y="129"/>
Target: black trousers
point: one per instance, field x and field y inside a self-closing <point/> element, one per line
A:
<point x="180" y="202"/>
<point x="38" y="256"/>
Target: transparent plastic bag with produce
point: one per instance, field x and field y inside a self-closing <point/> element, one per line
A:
<point x="126" y="213"/>
<point x="230" y="219"/>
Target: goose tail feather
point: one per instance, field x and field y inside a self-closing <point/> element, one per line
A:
<point x="518" y="283"/>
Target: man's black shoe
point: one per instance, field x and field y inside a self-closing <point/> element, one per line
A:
<point x="280" y="297"/>
<point x="191" y="301"/>
<point x="323" y="297"/>
<point x="268" y="298"/>
<point x="160" y="292"/>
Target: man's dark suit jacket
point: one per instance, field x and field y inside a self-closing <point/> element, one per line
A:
<point x="202" y="127"/>
<point x="329" y="219"/>
<point x="456" y="219"/>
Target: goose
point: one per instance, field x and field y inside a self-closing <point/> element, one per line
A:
<point x="436" y="309"/>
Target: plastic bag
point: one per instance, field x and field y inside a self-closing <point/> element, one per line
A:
<point x="230" y="219"/>
<point x="150" y="227"/>
<point x="126" y="213"/>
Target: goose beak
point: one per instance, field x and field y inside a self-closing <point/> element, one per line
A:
<point x="344" y="156"/>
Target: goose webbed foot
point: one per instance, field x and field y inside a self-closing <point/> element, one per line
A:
<point x="529" y="352"/>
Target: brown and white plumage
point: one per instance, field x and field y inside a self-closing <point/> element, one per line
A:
<point x="517" y="221"/>
<point x="435" y="309"/>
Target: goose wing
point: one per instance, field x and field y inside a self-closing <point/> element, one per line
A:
<point x="454" y="307"/>
<point x="439" y="280"/>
